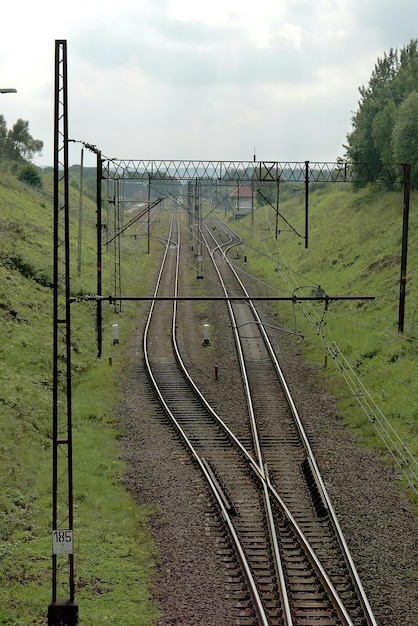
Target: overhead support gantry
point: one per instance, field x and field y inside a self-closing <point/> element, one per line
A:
<point x="277" y="172"/>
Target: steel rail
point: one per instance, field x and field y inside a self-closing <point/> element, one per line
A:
<point x="287" y="615"/>
<point x="246" y="570"/>
<point x="263" y="472"/>
<point x="263" y="478"/>
<point x="258" y="472"/>
<point x="350" y="563"/>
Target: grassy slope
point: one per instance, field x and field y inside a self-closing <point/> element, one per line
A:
<point x="354" y="249"/>
<point x="113" y="560"/>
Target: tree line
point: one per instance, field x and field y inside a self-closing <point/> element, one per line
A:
<point x="18" y="147"/>
<point x="385" y="126"/>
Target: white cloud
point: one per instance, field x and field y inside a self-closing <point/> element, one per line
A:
<point x="186" y="79"/>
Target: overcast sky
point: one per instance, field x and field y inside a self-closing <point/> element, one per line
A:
<point x="193" y="79"/>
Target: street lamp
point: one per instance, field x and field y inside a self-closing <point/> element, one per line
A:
<point x="8" y="90"/>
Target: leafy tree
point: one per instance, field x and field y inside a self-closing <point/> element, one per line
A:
<point x="407" y="78"/>
<point x="18" y="144"/>
<point x="405" y="135"/>
<point x="30" y="174"/>
<point x="3" y="136"/>
<point x="362" y="147"/>
<point x="383" y="127"/>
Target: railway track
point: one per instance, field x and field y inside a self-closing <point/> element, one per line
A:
<point x="279" y="536"/>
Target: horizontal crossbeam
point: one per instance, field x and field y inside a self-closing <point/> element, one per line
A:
<point x="112" y="299"/>
<point x="256" y="171"/>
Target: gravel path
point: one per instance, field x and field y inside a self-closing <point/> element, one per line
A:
<point x="377" y="520"/>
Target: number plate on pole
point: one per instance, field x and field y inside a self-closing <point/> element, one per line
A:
<point x="62" y="542"/>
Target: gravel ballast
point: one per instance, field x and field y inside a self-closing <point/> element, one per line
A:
<point x="191" y="585"/>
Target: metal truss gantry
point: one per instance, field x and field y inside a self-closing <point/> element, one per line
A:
<point x="392" y="175"/>
<point x="262" y="171"/>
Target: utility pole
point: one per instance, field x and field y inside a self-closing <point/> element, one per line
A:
<point x="99" y="316"/>
<point x="148" y="215"/>
<point x="80" y="215"/>
<point x="277" y="208"/>
<point x="99" y="226"/>
<point x="62" y="611"/>
<point x="306" y="202"/>
<point x="404" y="253"/>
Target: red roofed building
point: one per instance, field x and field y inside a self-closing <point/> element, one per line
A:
<point x="241" y="200"/>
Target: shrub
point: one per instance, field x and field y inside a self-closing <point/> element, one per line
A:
<point x="30" y="174"/>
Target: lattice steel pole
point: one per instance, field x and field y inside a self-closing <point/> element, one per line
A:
<point x="118" y="226"/>
<point x="99" y="226"/>
<point x="62" y="611"/>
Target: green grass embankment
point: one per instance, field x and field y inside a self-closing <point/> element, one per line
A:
<point x="114" y="553"/>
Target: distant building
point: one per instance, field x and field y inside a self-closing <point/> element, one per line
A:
<point x="241" y="200"/>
